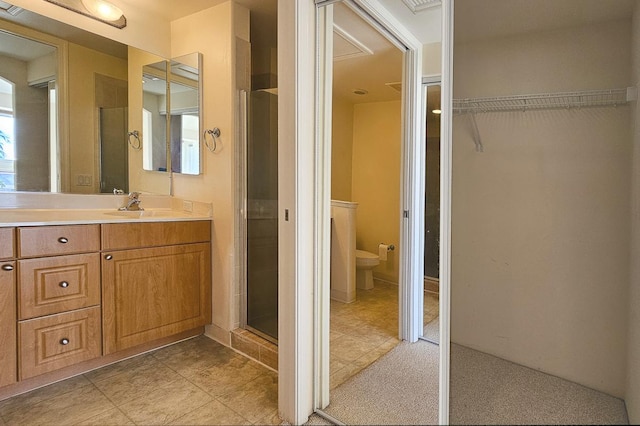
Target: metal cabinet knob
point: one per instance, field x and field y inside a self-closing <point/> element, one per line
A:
<point x="63" y="240"/>
<point x="7" y="267"/>
<point x="64" y="341"/>
<point x="64" y="284"/>
<point x="108" y="257"/>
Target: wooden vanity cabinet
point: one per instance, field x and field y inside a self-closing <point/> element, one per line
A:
<point x="8" y="361"/>
<point x="58" y="292"/>
<point x="157" y="291"/>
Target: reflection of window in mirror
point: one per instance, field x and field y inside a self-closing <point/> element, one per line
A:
<point x="7" y="156"/>
<point x="147" y="138"/>
<point x="27" y="69"/>
<point x="189" y="145"/>
<point x="54" y="144"/>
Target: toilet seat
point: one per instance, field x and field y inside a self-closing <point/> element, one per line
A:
<point x="365" y="258"/>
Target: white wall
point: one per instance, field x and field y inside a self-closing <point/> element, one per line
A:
<point x="540" y="220"/>
<point x="632" y="391"/>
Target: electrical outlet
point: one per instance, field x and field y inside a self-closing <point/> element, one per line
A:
<point x="84" y="180"/>
<point x="187" y="206"/>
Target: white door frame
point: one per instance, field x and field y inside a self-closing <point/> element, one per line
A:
<point x="411" y="244"/>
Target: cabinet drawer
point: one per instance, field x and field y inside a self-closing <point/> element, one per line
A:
<point x="118" y="236"/>
<point x="57" y="341"/>
<point x="54" y="240"/>
<point x="7" y="243"/>
<point x="52" y="285"/>
<point x="8" y="361"/>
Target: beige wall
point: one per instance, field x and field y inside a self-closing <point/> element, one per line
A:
<point x="341" y="149"/>
<point x="632" y="389"/>
<point x="213" y="32"/>
<point x="376" y="180"/>
<point x="84" y="64"/>
<point x="540" y="219"/>
<point x="432" y="59"/>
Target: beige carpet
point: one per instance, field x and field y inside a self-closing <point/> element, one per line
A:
<point x="399" y="388"/>
<point x="489" y="390"/>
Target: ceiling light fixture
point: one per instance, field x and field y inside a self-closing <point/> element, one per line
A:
<point x="100" y="10"/>
<point x="103" y="9"/>
<point x="436" y="111"/>
<point x="360" y="91"/>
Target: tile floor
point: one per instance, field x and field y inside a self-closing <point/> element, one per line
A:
<point x="195" y="382"/>
<point x="201" y="382"/>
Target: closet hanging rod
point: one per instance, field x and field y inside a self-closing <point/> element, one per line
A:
<point x="582" y="99"/>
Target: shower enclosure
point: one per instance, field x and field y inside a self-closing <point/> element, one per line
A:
<point x="114" y="171"/>
<point x="261" y="213"/>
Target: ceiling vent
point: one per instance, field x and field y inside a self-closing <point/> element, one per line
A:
<point x="419" y="5"/>
<point x="346" y="46"/>
<point x="395" y="86"/>
<point x="9" y="8"/>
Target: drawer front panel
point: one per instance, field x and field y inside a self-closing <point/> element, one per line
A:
<point x="7" y="243"/>
<point x="56" y="284"/>
<point x="8" y="361"/>
<point x="58" y="341"/>
<point x="118" y="236"/>
<point x="55" y="240"/>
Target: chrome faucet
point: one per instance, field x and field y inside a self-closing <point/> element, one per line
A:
<point x="133" y="204"/>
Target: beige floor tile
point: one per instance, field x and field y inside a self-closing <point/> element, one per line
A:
<point x="167" y="404"/>
<point x="228" y="377"/>
<point x="119" y="368"/>
<point x="2" y="423"/>
<point x="137" y="381"/>
<point x="196" y="355"/>
<point x="113" y="417"/>
<point x="66" y="409"/>
<point x="348" y="348"/>
<point x="255" y="400"/>
<point x="212" y="413"/>
<point x="27" y="400"/>
<point x="271" y="419"/>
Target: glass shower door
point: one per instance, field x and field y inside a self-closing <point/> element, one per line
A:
<point x="262" y="214"/>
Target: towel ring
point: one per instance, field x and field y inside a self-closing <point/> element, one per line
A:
<point x="135" y="144"/>
<point x="215" y="134"/>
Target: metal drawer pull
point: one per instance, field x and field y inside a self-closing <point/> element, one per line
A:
<point x="64" y="341"/>
<point x="64" y="284"/>
<point x="7" y="267"/>
<point x="63" y="240"/>
<point x="108" y="257"/>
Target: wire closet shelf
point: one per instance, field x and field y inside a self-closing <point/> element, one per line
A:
<point x="563" y="100"/>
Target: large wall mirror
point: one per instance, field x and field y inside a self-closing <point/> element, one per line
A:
<point x="64" y="113"/>
<point x="171" y="132"/>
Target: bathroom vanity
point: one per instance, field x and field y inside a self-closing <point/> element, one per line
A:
<point x="82" y="293"/>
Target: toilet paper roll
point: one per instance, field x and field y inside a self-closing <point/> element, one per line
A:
<point x="383" y="249"/>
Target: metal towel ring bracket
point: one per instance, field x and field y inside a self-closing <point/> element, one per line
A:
<point x="215" y="134"/>
<point x="135" y="144"/>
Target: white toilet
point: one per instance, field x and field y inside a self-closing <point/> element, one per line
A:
<point x="365" y="262"/>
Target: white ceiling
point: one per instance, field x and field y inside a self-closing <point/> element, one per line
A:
<point x="425" y="25"/>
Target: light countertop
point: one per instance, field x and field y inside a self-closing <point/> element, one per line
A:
<point x="37" y="217"/>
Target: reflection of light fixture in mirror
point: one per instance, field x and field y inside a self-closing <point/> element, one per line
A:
<point x="436" y="111"/>
<point x="100" y="10"/>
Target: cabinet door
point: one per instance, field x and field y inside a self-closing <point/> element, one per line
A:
<point x="8" y="361"/>
<point x="152" y="293"/>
